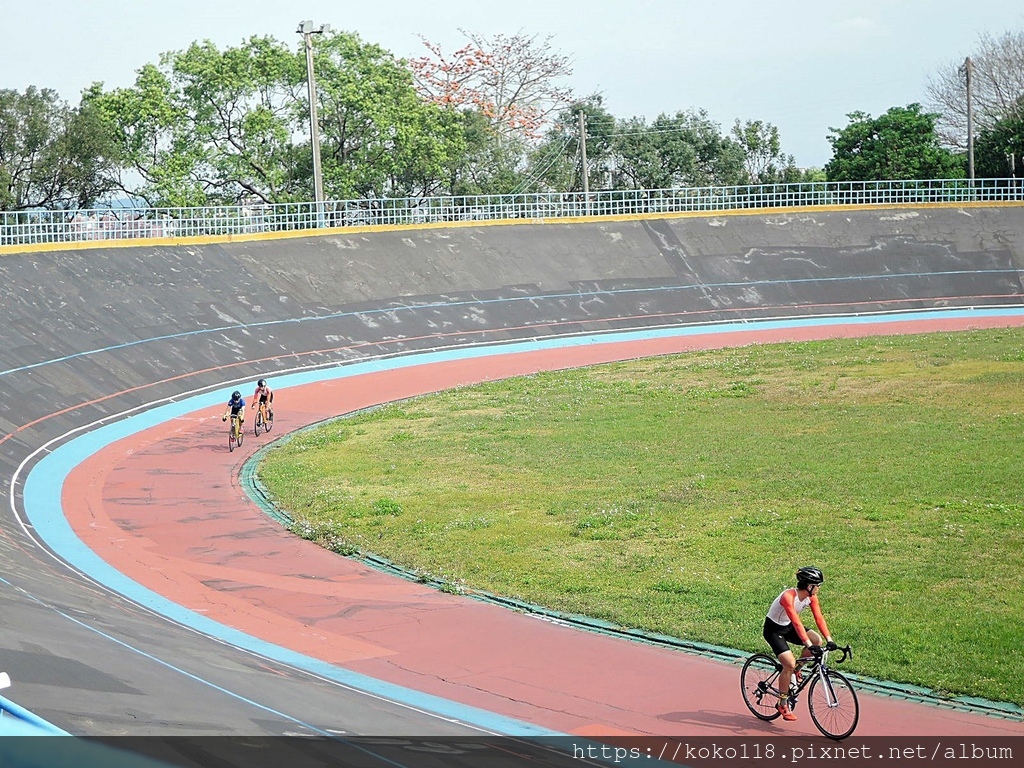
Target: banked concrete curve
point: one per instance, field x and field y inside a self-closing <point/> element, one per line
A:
<point x="94" y="335"/>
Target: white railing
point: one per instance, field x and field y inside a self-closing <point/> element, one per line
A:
<point x="59" y="226"/>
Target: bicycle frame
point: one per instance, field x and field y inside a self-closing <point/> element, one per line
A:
<point x="264" y="418"/>
<point x="831" y="698"/>
<point x="235" y="432"/>
<point x="815" y="668"/>
<point x="822" y="668"/>
<point x="819" y="669"/>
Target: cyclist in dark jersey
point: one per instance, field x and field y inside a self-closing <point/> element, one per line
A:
<point x="783" y="626"/>
<point x="236" y="407"/>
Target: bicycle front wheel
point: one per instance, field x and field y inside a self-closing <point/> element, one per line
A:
<point x="257" y="423"/>
<point x="833" y="705"/>
<point x="231" y="439"/>
<point x="758" y="682"/>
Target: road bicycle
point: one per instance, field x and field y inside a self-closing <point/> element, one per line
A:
<point x="264" y="419"/>
<point x="831" y="699"/>
<point x="235" y="433"/>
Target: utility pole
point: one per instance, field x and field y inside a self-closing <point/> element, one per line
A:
<point x="968" y="71"/>
<point x="307" y="29"/>
<point x="583" y="163"/>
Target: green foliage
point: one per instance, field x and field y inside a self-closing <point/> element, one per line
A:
<point x="686" y="149"/>
<point x="219" y="126"/>
<point x="764" y="160"/>
<point x="679" y="494"/>
<point x="491" y="163"/>
<point x="992" y="147"/>
<point x="210" y="126"/>
<point x="91" y="153"/>
<point x="378" y="137"/>
<point x="230" y="126"/>
<point x="901" y="144"/>
<point x="388" y="507"/>
<point x="28" y="124"/>
<point x="142" y="118"/>
<point x="50" y="154"/>
<point x="793" y="175"/>
<point x="555" y="163"/>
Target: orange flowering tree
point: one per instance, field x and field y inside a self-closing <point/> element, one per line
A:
<point x="513" y="81"/>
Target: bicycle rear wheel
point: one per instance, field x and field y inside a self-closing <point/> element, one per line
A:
<point x="758" y="683"/>
<point x="240" y="435"/>
<point x="833" y="705"/>
<point x="268" y="423"/>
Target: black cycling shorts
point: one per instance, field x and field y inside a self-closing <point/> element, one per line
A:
<point x="779" y="636"/>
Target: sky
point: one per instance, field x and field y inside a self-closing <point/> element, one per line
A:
<point x="801" y="65"/>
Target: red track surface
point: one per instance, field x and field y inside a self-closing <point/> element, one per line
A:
<point x="164" y="507"/>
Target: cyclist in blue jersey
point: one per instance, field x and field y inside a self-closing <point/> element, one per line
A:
<point x="236" y="407"/>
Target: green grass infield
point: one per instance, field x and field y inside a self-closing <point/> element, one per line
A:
<point x="679" y="494"/>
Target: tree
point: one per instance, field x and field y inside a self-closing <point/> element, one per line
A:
<point x="996" y="87"/>
<point x="686" y="150"/>
<point x="210" y="126"/>
<point x="239" y="105"/>
<point x="793" y="175"/>
<point x="26" y="132"/>
<point x="901" y="144"/>
<point x="994" y="148"/>
<point x="764" y="161"/>
<point x="555" y="164"/>
<point x="512" y="80"/>
<point x="91" y="153"/>
<point x="378" y="136"/>
<point x="505" y="90"/>
<point x="50" y="154"/>
<point x="486" y="164"/>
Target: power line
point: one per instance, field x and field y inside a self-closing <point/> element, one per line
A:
<point x="555" y="154"/>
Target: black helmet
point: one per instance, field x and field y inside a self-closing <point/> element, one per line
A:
<point x="261" y="383"/>
<point x="236" y="395"/>
<point x="809" y="575"/>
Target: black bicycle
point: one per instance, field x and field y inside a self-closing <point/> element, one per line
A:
<point x="831" y="699"/>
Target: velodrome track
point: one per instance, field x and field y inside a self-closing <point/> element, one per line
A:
<point x="99" y="343"/>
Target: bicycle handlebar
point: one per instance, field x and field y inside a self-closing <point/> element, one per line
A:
<point x="847" y="653"/>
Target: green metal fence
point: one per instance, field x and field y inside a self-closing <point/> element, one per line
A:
<point x="60" y="226"/>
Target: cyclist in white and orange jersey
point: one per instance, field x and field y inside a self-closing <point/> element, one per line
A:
<point x="783" y="626"/>
<point x="264" y="395"/>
